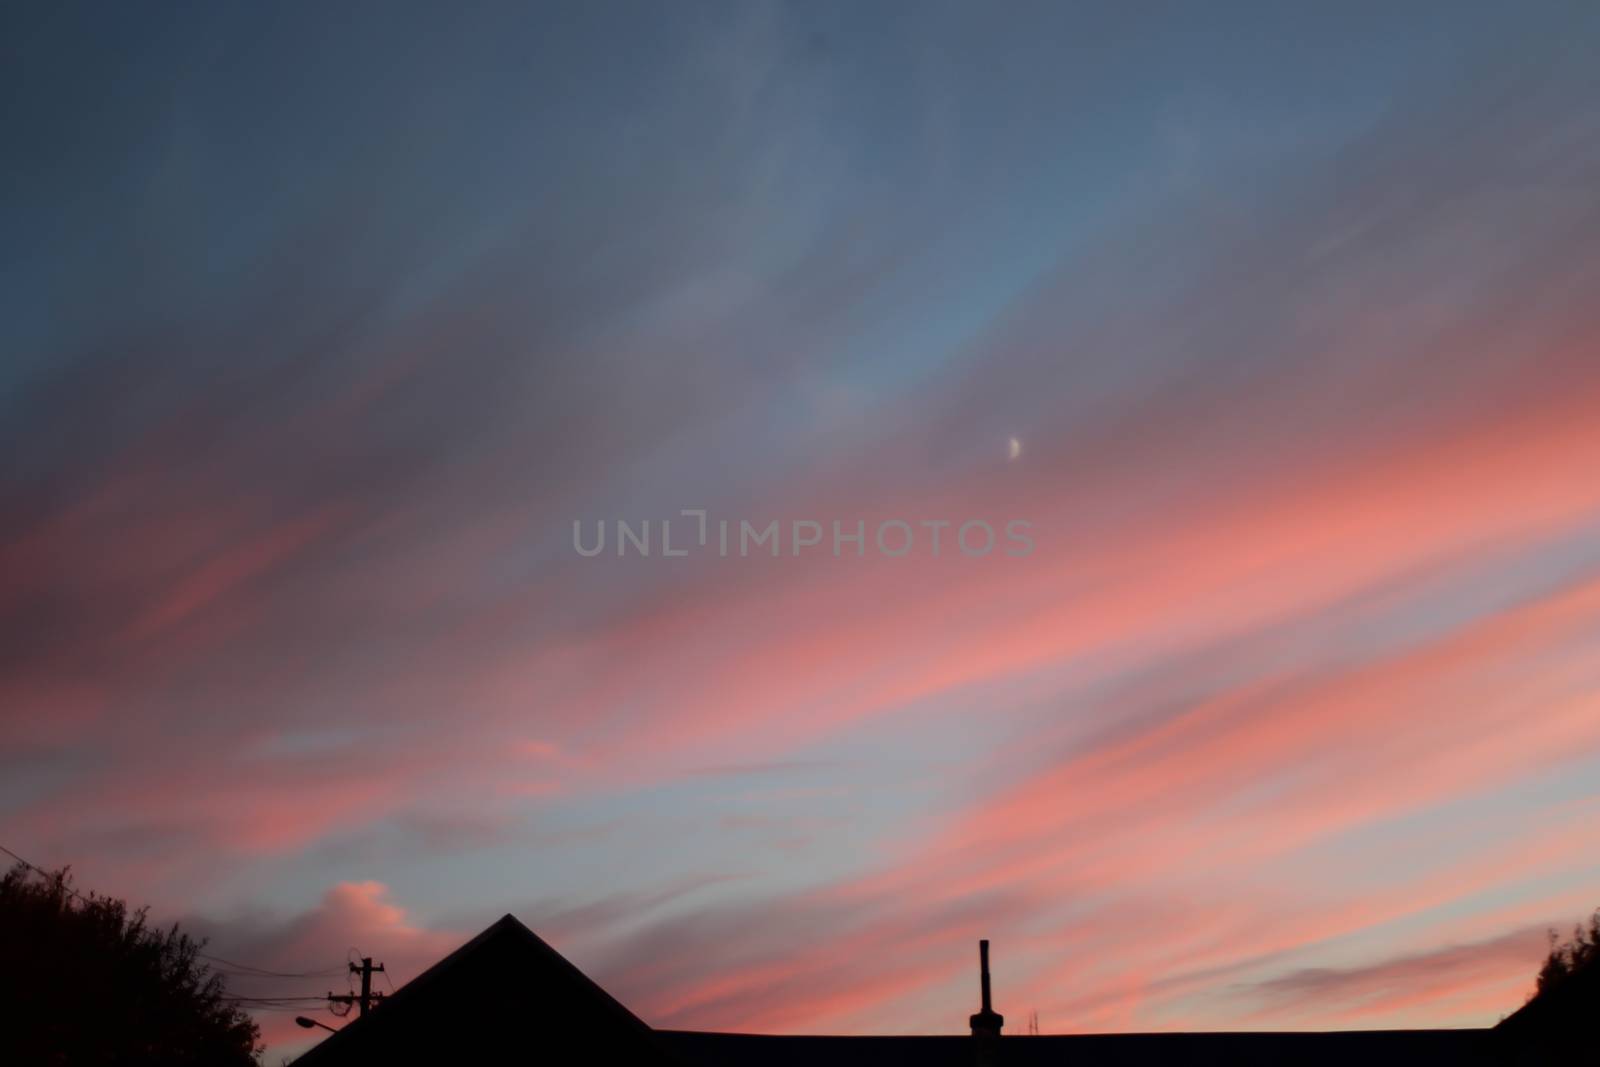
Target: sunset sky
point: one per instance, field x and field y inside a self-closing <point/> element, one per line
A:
<point x="323" y="323"/>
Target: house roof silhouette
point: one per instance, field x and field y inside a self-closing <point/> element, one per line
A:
<point x="506" y="994"/>
<point x="504" y="990"/>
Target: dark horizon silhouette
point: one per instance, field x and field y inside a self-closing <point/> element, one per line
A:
<point x="162" y="998"/>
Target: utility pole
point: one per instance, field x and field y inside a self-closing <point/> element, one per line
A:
<point x="365" y="999"/>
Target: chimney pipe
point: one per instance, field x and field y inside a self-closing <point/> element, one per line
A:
<point x="983" y="968"/>
<point x="986" y="1023"/>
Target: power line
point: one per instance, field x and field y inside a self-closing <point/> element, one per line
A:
<point x="250" y="971"/>
<point x="36" y="869"/>
<point x="246" y="970"/>
<point x="363" y="1000"/>
<point x="285" y="1009"/>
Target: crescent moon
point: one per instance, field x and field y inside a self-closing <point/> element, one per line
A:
<point x="1013" y="449"/>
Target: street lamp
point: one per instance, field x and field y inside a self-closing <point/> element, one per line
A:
<point x="301" y="1020"/>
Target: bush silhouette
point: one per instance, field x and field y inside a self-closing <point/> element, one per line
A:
<point x="1574" y="963"/>
<point x="1556" y="1025"/>
<point x="85" y="981"/>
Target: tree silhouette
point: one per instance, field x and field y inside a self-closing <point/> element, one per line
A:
<point x="85" y="981"/>
<point x="1557" y="1023"/>
<point x="1573" y="963"/>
